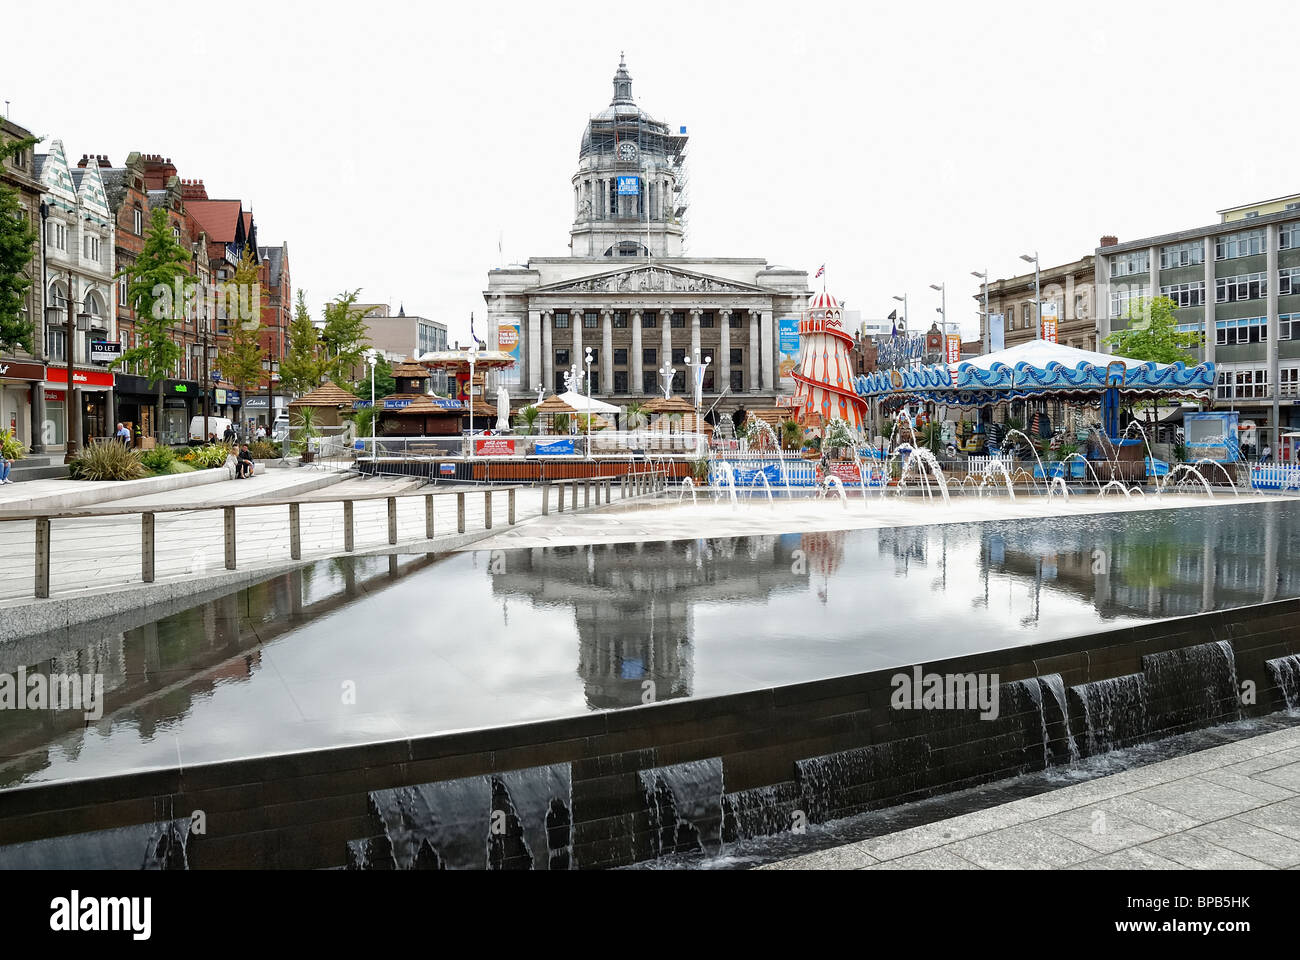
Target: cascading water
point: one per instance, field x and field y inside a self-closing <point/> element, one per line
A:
<point x="1054" y="685"/>
<point x="684" y="804"/>
<point x="1114" y="711"/>
<point x="161" y="845"/>
<point x="1286" y="674"/>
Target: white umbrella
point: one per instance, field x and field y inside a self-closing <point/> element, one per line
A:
<point x="503" y="408"/>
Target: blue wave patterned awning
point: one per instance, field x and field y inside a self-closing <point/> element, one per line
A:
<point x="987" y="380"/>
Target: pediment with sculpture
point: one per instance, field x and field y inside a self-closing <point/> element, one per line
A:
<point x="651" y="279"/>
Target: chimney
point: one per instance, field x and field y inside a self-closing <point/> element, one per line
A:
<point x="193" y="190"/>
<point x="1109" y="241"/>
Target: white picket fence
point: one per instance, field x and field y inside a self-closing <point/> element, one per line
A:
<point x="1275" y="476"/>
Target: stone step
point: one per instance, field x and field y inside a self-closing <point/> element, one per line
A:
<point x="25" y="470"/>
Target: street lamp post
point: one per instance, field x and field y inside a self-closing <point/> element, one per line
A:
<point x="473" y="359"/>
<point x="903" y="301"/>
<point x="372" y="358"/>
<point x="943" y="304"/>
<point x="272" y="366"/>
<point x="666" y="374"/>
<point x="1038" y="295"/>
<point x="588" y="360"/>
<point x="985" y="325"/>
<point x="71" y="413"/>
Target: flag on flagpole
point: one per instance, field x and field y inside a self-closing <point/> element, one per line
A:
<point x="820" y="271"/>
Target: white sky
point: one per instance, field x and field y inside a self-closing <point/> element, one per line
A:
<point x="391" y="143"/>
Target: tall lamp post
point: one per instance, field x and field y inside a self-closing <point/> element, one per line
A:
<point x="1038" y="295"/>
<point x="985" y="325"/>
<point x="271" y="366"/>
<point x="473" y="359"/>
<point x="372" y="358"/>
<point x="71" y="413"/>
<point x="588" y="362"/>
<point x="942" y="288"/>
<point x="666" y="374"/>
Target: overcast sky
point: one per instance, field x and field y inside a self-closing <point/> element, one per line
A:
<point x="392" y="143"/>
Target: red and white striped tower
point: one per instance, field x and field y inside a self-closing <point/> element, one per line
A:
<point x="824" y="378"/>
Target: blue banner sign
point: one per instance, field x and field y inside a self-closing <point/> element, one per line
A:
<point x="393" y="403"/>
<point x="629" y="186"/>
<point x="562" y="447"/>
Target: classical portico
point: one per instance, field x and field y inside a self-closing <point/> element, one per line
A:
<point x="626" y="293"/>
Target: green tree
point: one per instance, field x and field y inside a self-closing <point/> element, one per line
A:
<point x="345" y="337"/>
<point x="151" y="291"/>
<point x="1152" y="333"/>
<point x="240" y="362"/>
<point x="17" y="248"/>
<point x="385" y="384"/>
<point x="302" y="368"/>
<point x="527" y="416"/>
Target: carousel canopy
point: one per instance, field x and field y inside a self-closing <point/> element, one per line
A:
<point x="1037" y="368"/>
<point x="579" y="403"/>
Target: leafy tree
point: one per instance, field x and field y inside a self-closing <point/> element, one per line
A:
<point x="1152" y="333"/>
<point x="345" y="337"/>
<point x="385" y="384"/>
<point x="302" y="368"/>
<point x="150" y="290"/>
<point x="17" y="248"/>
<point x="240" y="361"/>
<point x="527" y="416"/>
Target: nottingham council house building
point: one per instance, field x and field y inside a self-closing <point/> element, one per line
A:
<point x="627" y="292"/>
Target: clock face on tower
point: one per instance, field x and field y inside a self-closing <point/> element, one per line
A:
<point x="627" y="150"/>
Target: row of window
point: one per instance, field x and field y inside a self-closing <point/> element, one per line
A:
<point x="1247" y="286"/>
<point x="1252" y="384"/>
<point x="648" y="356"/>
<point x="649" y="320"/>
<point x="1229" y="246"/>
<point x="1182" y="254"/>
<point x="1185" y="294"/>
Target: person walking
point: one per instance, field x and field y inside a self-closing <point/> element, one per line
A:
<point x="123" y="435"/>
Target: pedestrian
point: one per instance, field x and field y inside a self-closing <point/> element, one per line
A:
<point x="124" y="434"/>
<point x="5" y="465"/>
<point x="261" y="431"/>
<point x="229" y="435"/>
<point x="243" y="463"/>
<point x="1267" y="454"/>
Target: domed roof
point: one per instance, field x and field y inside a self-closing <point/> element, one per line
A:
<point x="623" y="113"/>
<point x="824" y="301"/>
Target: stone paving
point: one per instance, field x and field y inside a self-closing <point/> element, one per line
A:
<point x="1231" y="807"/>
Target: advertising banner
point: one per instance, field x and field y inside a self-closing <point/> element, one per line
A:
<point x="508" y="342"/>
<point x="788" y="348"/>
<point x="104" y="351"/>
<point x="629" y="186"/>
<point x="1051" y="316"/>
<point x="954" y="348"/>
<point x="559" y="447"/>
<point x="494" y="446"/>
<point x="997" y="332"/>
<point x="750" y="476"/>
<point x="847" y="472"/>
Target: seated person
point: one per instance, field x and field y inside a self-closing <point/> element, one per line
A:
<point x="243" y="463"/>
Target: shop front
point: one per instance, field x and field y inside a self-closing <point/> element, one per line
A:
<point x="92" y="392"/>
<point x="136" y="404"/>
<point x="181" y="401"/>
<point x="224" y="402"/>
<point x="263" y="410"/>
<point x="19" y="382"/>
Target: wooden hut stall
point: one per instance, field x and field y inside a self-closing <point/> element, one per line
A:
<point x="413" y="412"/>
<point x="329" y="401"/>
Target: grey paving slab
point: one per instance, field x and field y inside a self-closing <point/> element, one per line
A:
<point x="941" y="858"/>
<point x="1253" y="841"/>
<point x="1252" y="786"/>
<point x="1282" y="818"/>
<point x="1287" y="776"/>
<point x="848" y="857"/>
<point x="1022" y="848"/>
<point x="1200" y="854"/>
<point x="1132" y="858"/>
<point x="1100" y="829"/>
<point x="1200" y="798"/>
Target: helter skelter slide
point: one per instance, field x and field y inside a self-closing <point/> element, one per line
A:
<point x="824" y="376"/>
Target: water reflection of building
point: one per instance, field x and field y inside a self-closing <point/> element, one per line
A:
<point x="633" y="602"/>
<point x="1169" y="564"/>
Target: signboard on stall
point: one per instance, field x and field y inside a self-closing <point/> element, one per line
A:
<point x="954" y="348"/>
<point x="494" y="446"/>
<point x="559" y="447"/>
<point x="1051" y="317"/>
<point x="788" y="348"/>
<point x="847" y="472"/>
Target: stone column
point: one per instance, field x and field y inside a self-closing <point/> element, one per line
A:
<point x="533" y="370"/>
<point x="753" y="351"/>
<point x="723" y="359"/>
<point x="767" y="358"/>
<point x="548" y="352"/>
<point x="634" y="360"/>
<point x="1153" y="268"/>
<point x="576" y="317"/>
<point x="666" y="338"/>
<point x="695" y="332"/>
<point x="1274" y="386"/>
<point x="607" y="350"/>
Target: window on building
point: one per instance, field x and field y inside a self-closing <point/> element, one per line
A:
<point x="679" y="319"/>
<point x="561" y="321"/>
<point x="648" y="320"/>
<point x="708" y="380"/>
<point x="620" y="356"/>
<point x="55" y="344"/>
<point x="1244" y="243"/>
<point x="1182" y="254"/>
<point x="1080" y="307"/>
<point x="137" y="221"/>
<point x="595" y="380"/>
<point x="1242" y="330"/>
<point x="620" y="319"/>
<point x="679" y="355"/>
<point x="706" y="318"/>
<point x="1288" y="236"/>
<point x="679" y="381"/>
<point x="620" y="381"/>
<point x="559" y="382"/>
<point x="738" y="381"/>
<point x="1288" y="381"/>
<point x="1288" y="325"/>
<point x="650" y="380"/>
<point x="737" y="356"/>
<point x="595" y="355"/>
<point x="733" y="320"/>
<point x="649" y="356"/>
<point x="561" y="358"/>
<point x="1288" y="281"/>
<point x="1129" y="264"/>
<point x="590" y="320"/>
<point x="1247" y="286"/>
<point x="1123" y="298"/>
<point x="122" y="284"/>
<point x="1185" y="294"/>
